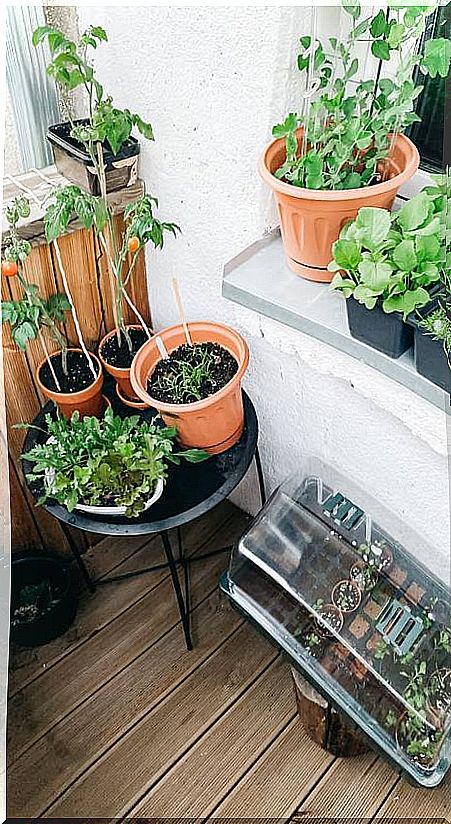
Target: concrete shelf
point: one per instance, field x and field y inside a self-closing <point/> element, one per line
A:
<point x="259" y="279"/>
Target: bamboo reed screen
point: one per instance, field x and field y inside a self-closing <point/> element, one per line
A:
<point x="88" y="279"/>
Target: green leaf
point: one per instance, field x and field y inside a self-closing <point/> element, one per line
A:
<point x="40" y="33"/>
<point x="437" y="57"/>
<point x="363" y="294"/>
<point x="414" y="212"/>
<point x="99" y="32"/>
<point x="372" y="227"/>
<point x="404" y="256"/>
<point x="345" y="285"/>
<point x="21" y="334"/>
<point x="305" y="41"/>
<point x="380" y="49"/>
<point x="353" y="9"/>
<point x="396" y="35"/>
<point x="84" y="209"/>
<point x="375" y="275"/>
<point x="406" y="302"/>
<point x="144" y="128"/>
<point x="378" y="24"/>
<point x="346" y="254"/>
<point x="100" y="214"/>
<point x="193" y="455"/>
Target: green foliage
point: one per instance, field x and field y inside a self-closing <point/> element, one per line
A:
<point x="142" y="223"/>
<point x="392" y="257"/>
<point x="347" y="127"/>
<point x="110" y="461"/>
<point x="66" y="202"/>
<point x="71" y="68"/>
<point x="32" y="312"/>
<point x="183" y="383"/>
<point x="437" y="324"/>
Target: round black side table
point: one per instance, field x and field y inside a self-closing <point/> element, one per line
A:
<point x="191" y="490"/>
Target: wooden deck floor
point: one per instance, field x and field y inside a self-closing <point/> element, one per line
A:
<point x="115" y="719"/>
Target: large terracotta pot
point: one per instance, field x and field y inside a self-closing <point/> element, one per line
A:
<point x="124" y="388"/>
<point x="311" y="219"/>
<point x="215" y="423"/>
<point x="88" y="401"/>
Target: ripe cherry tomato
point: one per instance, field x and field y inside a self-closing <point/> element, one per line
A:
<point x="133" y="244"/>
<point x="9" y="268"/>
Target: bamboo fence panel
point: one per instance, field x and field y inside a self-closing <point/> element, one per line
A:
<point x="88" y="280"/>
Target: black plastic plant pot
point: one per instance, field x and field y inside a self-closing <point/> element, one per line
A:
<point x="74" y="163"/>
<point x="384" y="331"/>
<point x="430" y="357"/>
<point x="55" y="614"/>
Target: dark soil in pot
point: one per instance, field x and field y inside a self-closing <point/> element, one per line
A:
<point x="192" y="373"/>
<point x="78" y="377"/>
<point x="119" y="355"/>
<point x="346" y="596"/>
<point x="43" y="605"/>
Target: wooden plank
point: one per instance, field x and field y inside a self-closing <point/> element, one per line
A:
<point x="39" y="706"/>
<point x="275" y="786"/>
<point x="96" y="611"/>
<point x="117" y="781"/>
<point x="412" y="803"/>
<point x="221" y="757"/>
<point x="352" y="789"/>
<point x="81" y="738"/>
<point x="24" y="532"/>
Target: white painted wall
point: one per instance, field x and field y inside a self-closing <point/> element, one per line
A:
<point x="213" y="81"/>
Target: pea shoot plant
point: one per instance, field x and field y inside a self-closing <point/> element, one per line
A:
<point x="110" y="461"/>
<point x="31" y="314"/>
<point x="71" y="67"/>
<point x="437" y="324"/>
<point x="393" y="257"/>
<point x="349" y="126"/>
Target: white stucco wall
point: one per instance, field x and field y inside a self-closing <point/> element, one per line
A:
<point x="213" y="81"/>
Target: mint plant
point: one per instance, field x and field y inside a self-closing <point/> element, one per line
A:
<point x="104" y="462"/>
<point x="32" y="314"/>
<point x="392" y="257"/>
<point x="350" y="126"/>
<point x="71" y="67"/>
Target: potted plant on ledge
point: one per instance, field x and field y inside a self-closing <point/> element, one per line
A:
<point x="385" y="263"/>
<point x="105" y="130"/>
<point x="197" y="385"/>
<point x="345" y="149"/>
<point x="71" y="377"/>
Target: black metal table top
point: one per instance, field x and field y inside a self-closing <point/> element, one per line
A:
<point x="190" y="489"/>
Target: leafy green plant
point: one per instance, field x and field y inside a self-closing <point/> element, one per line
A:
<point x="438" y="325"/>
<point x="104" y="462"/>
<point x="29" y="315"/>
<point x="71" y="67"/>
<point x="392" y="257"/>
<point x="349" y="129"/>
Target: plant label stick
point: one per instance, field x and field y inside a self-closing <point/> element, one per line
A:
<point x="161" y="348"/>
<point x="178" y="300"/>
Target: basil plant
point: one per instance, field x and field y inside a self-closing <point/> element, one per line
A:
<point x="393" y="258"/>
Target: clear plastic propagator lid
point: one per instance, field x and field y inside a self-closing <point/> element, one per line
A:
<point x="319" y="571"/>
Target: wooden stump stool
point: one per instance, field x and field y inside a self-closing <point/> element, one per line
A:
<point x="323" y="723"/>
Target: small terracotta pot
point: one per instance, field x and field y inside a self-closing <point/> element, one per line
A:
<point x="121" y="376"/>
<point x="311" y="219"/>
<point x="214" y="423"/>
<point x="137" y="404"/>
<point x="329" y="609"/>
<point x="88" y="401"/>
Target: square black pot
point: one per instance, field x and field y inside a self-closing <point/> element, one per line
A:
<point x="74" y="163"/>
<point x="385" y="332"/>
<point x="430" y="358"/>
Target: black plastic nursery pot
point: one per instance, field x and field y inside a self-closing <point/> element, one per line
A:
<point x="430" y="357"/>
<point x="30" y="569"/>
<point x="74" y="163"/>
<point x="385" y="332"/>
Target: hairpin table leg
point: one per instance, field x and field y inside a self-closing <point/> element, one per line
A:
<point x="184" y="613"/>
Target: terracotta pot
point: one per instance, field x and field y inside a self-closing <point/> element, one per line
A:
<point x="88" y="401"/>
<point x="214" y="423"/>
<point x="311" y="219"/>
<point x="121" y="376"/>
<point x="135" y="404"/>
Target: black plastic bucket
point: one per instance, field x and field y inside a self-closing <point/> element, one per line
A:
<point x="29" y="570"/>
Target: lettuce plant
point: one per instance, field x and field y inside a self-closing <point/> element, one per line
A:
<point x="349" y="125"/>
<point x="392" y="258"/>
<point x="104" y="462"/>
